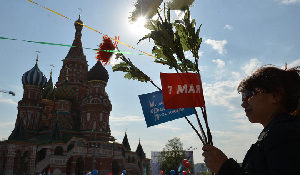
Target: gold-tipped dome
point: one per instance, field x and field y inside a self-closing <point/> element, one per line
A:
<point x="65" y="92"/>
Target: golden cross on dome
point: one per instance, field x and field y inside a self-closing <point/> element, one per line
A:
<point x="51" y="69"/>
<point x="80" y="11"/>
<point x="37" y="56"/>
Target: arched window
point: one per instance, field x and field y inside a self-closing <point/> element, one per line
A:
<point x="25" y="162"/>
<point x="59" y="151"/>
<point x="17" y="162"/>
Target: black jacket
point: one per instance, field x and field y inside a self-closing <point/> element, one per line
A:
<point x="277" y="151"/>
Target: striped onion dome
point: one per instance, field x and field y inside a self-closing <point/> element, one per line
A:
<point x="98" y="72"/>
<point x="49" y="90"/>
<point x="65" y="92"/>
<point x="34" y="77"/>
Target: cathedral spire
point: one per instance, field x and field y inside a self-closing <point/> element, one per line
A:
<point x="140" y="152"/>
<point x="125" y="142"/>
<point x="77" y="50"/>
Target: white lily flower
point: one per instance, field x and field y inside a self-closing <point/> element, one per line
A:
<point x="114" y="59"/>
<point x="145" y="8"/>
<point x="179" y="4"/>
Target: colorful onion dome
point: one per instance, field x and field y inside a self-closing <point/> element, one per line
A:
<point x="65" y="92"/>
<point x="49" y="90"/>
<point x="34" y="77"/>
<point x="98" y="72"/>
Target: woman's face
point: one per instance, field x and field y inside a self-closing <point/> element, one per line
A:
<point x="259" y="108"/>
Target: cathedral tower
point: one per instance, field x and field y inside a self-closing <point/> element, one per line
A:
<point x="76" y="62"/>
<point x="96" y="107"/>
<point x="30" y="107"/>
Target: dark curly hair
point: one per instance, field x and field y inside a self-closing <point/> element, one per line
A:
<point x="272" y="79"/>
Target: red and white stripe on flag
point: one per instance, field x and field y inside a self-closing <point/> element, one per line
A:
<point x="182" y="90"/>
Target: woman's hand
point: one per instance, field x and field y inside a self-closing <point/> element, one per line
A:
<point x="213" y="158"/>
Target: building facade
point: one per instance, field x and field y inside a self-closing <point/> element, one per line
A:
<point x="64" y="129"/>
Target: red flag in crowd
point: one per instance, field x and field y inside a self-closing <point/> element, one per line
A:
<point x="182" y="90"/>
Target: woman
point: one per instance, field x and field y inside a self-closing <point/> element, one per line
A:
<point x="269" y="97"/>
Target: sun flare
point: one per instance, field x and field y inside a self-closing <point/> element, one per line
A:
<point x="141" y="21"/>
<point x="138" y="26"/>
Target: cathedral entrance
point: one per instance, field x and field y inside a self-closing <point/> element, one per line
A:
<point x="79" y="166"/>
<point x="115" y="168"/>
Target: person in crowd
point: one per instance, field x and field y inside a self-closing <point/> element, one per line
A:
<point x="270" y="96"/>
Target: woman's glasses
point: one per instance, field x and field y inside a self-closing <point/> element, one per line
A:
<point x="248" y="95"/>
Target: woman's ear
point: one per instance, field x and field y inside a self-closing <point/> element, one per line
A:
<point x="278" y="96"/>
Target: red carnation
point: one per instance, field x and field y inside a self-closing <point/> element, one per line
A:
<point x="104" y="53"/>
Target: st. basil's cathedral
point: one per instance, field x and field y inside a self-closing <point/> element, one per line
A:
<point x="64" y="130"/>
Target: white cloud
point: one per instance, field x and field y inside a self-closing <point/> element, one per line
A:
<point x="188" y="55"/>
<point x="217" y="45"/>
<point x="120" y="121"/>
<point x="294" y="64"/>
<point x="228" y="27"/>
<point x="9" y="101"/>
<point x="219" y="62"/>
<point x="221" y="93"/>
<point x="7" y="124"/>
<point x="220" y="74"/>
<point x="19" y="88"/>
<point x="167" y="126"/>
<point x="251" y="66"/>
<point x="287" y="48"/>
<point x="117" y="133"/>
<point x="236" y="75"/>
<point x="289" y="2"/>
<point x="200" y="54"/>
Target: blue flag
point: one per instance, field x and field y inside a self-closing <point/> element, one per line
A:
<point x="180" y="167"/>
<point x="155" y="112"/>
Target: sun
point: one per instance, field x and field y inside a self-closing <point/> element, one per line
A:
<point x="138" y="27"/>
<point x="141" y="21"/>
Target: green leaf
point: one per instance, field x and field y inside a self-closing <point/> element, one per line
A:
<point x="128" y="75"/>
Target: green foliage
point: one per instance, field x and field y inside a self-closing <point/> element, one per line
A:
<point x="173" y="39"/>
<point x="132" y="72"/>
<point x="172" y="155"/>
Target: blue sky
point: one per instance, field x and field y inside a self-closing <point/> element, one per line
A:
<point x="238" y="37"/>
